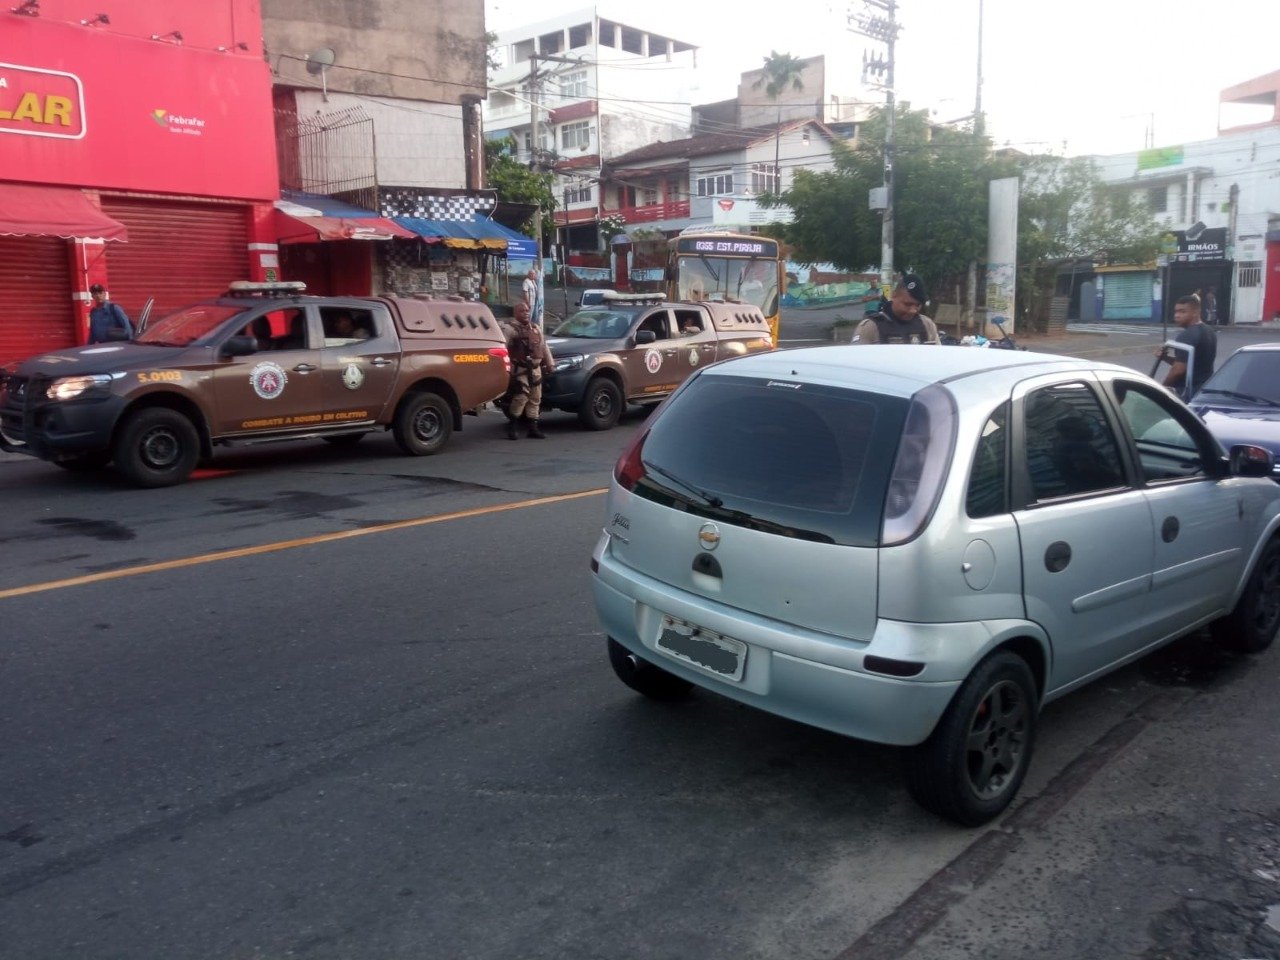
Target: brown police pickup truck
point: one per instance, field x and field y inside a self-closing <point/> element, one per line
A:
<point x="262" y="363"/>
<point x="638" y="349"/>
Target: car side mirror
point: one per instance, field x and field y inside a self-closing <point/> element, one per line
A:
<point x="1248" y="460"/>
<point x="240" y="346"/>
<point x="645" y="336"/>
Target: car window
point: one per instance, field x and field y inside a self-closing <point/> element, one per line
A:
<point x="1070" y="447"/>
<point x="187" y="325"/>
<point x="1251" y="376"/>
<point x="343" y="325"/>
<point x="595" y="324"/>
<point x="279" y="329"/>
<point x="657" y="322"/>
<point x="690" y="322"/>
<point x="811" y="462"/>
<point x="986" y="495"/>
<point x="1167" y="450"/>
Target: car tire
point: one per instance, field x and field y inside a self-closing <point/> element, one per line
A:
<point x="423" y="424"/>
<point x="644" y="677"/>
<point x="157" y="447"/>
<point x="971" y="767"/>
<point x="1251" y="626"/>
<point x="601" y="405"/>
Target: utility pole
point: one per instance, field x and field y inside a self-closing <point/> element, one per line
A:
<point x="882" y="27"/>
<point x="535" y="140"/>
<point x="978" y="122"/>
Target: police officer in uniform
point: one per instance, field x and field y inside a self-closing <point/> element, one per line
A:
<point x="899" y="319"/>
<point x="530" y="362"/>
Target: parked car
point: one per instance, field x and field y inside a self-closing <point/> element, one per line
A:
<point x="637" y="349"/>
<point x="264" y="362"/>
<point x="923" y="547"/>
<point x="1240" y="403"/>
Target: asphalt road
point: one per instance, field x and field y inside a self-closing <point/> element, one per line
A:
<point x="340" y="703"/>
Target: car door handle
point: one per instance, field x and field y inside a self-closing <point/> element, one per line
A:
<point x="1056" y="556"/>
<point x="305" y="368"/>
<point x="380" y="362"/>
<point x="669" y="353"/>
<point x="1169" y="529"/>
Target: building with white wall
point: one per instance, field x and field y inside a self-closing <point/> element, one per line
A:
<point x="1219" y="200"/>
<point x="602" y="88"/>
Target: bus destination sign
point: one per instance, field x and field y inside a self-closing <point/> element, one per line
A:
<point x="730" y="246"/>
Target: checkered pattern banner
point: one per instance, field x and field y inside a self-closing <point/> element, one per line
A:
<point x="432" y="206"/>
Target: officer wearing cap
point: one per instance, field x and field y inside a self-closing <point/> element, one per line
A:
<point x="899" y="320"/>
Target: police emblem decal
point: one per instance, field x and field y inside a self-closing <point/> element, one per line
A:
<point x="693" y="358"/>
<point x="653" y="360"/>
<point x="268" y="380"/>
<point x="352" y="377"/>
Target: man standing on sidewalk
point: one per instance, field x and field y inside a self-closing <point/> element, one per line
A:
<point x="531" y="363"/>
<point x="107" y="316"/>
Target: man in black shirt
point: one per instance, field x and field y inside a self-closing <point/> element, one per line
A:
<point x="1197" y="335"/>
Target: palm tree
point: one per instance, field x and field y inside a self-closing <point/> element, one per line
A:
<point x="781" y="71"/>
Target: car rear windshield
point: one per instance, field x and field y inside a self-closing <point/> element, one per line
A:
<point x="797" y="459"/>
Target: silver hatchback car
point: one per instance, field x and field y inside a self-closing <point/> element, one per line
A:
<point x="922" y="547"/>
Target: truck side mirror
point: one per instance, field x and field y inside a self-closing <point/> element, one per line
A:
<point x="239" y="347"/>
<point x="645" y="336"/>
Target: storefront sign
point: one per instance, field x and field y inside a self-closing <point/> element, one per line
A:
<point x="1208" y="245"/>
<point x="96" y="109"/>
<point x="40" y="103"/>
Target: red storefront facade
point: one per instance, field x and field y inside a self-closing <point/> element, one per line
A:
<point x="159" y="122"/>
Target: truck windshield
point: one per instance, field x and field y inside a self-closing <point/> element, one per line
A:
<point x="597" y="324"/>
<point x="187" y="325"/>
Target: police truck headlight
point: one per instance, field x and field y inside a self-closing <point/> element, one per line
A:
<point x="68" y="388"/>
<point x="574" y="362"/>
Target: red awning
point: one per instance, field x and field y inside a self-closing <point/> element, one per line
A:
<point x="36" y="211"/>
<point x="299" y="224"/>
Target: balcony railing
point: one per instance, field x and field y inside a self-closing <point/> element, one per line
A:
<point x="650" y="212"/>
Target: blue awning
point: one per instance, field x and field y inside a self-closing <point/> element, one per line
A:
<point x="478" y="233"/>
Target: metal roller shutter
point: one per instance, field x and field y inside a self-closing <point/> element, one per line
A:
<point x="36" y="311"/>
<point x="177" y="252"/>
<point x="1127" y="296"/>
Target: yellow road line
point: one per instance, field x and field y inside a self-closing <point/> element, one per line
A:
<point x="289" y="544"/>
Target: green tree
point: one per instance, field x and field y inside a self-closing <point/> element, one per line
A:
<point x="781" y="72"/>
<point x="1066" y="212"/>
<point x="940" y="199"/>
<point x="516" y="183"/>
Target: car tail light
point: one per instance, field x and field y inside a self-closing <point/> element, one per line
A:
<point x="506" y="357"/>
<point x="924" y="454"/>
<point x="630" y="468"/>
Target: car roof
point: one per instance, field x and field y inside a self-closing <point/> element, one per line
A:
<point x="904" y="370"/>
<point x="1270" y="347"/>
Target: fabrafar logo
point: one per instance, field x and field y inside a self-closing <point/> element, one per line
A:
<point x="41" y="103"/>
<point x="175" y="123"/>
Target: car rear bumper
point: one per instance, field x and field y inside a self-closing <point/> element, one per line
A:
<point x="813" y="678"/>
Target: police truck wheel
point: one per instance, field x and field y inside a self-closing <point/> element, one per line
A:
<point x="1251" y="626"/>
<point x="157" y="448"/>
<point x="601" y="404"/>
<point x="423" y="424"/>
<point x="643" y="677"/>
<point x="973" y="763"/>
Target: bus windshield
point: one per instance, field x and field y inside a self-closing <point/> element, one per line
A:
<point x="731" y="279"/>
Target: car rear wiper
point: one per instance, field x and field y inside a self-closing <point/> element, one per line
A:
<point x="1234" y="395"/>
<point x="710" y="499"/>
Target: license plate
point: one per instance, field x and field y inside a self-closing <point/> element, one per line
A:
<point x="703" y="648"/>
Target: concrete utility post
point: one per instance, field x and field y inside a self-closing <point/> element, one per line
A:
<point x="535" y="138"/>
<point x="883" y="27"/>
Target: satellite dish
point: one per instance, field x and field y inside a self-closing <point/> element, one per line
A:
<point x="318" y="61"/>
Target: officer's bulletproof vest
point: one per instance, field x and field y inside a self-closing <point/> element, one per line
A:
<point x="891" y="331"/>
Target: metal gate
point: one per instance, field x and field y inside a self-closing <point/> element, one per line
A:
<point x="37" y="314"/>
<point x="177" y="252"/>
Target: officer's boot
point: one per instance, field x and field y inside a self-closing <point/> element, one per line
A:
<point x="535" y="432"/>
<point x="511" y="428"/>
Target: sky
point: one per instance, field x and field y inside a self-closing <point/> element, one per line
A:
<point x="1085" y="77"/>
